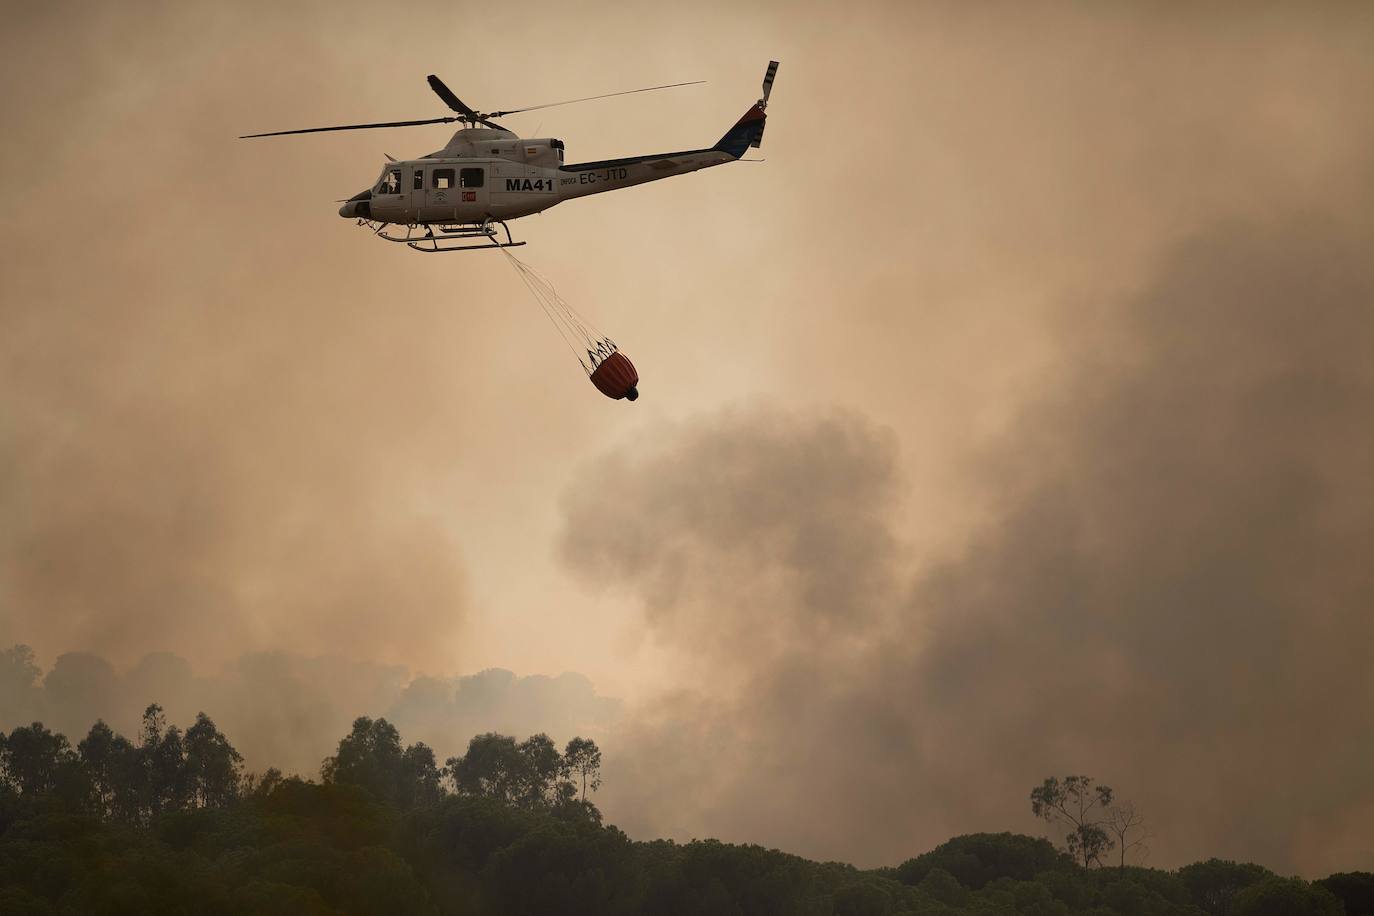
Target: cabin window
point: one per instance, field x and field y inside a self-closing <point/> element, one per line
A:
<point x="443" y="178"/>
<point x="419" y="179"/>
<point x="472" y="178"/>
<point x="391" y="182"/>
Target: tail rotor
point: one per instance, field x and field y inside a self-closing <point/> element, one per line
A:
<point x="757" y="140"/>
<point x="768" y="83"/>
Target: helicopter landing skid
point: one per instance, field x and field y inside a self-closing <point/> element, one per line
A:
<point x="431" y="243"/>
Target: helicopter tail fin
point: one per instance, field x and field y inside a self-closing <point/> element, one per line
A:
<point x="748" y="130"/>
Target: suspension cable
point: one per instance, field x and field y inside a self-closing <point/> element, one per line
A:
<point x="566" y="320"/>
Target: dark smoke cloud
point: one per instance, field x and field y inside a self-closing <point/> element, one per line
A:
<point x="787" y="507"/>
<point x="1172" y="594"/>
<point x="289" y="711"/>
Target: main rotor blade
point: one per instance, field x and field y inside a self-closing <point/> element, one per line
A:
<point x="451" y="100"/>
<point x="316" y="130"/>
<point x="497" y="114"/>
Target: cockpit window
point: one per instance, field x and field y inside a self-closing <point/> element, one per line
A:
<point x="472" y="178"/>
<point x="391" y="182"/>
<point x="443" y="178"/>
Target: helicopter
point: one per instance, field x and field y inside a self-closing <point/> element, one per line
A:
<point x="486" y="175"/>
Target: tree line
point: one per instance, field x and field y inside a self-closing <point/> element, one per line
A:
<point x="531" y="775"/>
<point x="106" y="774"/>
<point x="166" y="769"/>
<point x="170" y="822"/>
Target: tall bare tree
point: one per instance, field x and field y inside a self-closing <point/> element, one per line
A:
<point x="1127" y="824"/>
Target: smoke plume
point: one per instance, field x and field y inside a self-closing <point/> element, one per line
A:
<point x="289" y="711"/>
<point x="1172" y="593"/>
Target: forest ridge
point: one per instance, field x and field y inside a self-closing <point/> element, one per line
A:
<point x="169" y="822"/>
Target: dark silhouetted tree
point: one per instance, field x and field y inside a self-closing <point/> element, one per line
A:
<point x="418" y="780"/>
<point x="531" y="774"/>
<point x="1276" y="896"/>
<point x="1079" y="806"/>
<point x="862" y="898"/>
<point x="264" y="785"/>
<point x="115" y="770"/>
<point x="944" y="887"/>
<point x="1355" y="889"/>
<point x="371" y="756"/>
<point x="492" y="767"/>
<point x="154" y="723"/>
<point x="368" y="757"/>
<point x="36" y="761"/>
<point x="977" y="859"/>
<point x="164" y="761"/>
<point x="213" y="768"/>
<point x="1214" y="884"/>
<point x="542" y="771"/>
<point x="582" y="759"/>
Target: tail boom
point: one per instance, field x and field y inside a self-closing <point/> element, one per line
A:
<point x="611" y="174"/>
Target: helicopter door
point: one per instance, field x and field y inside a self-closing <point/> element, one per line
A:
<point x="414" y="193"/>
<point x="438" y="202"/>
<point x="451" y="194"/>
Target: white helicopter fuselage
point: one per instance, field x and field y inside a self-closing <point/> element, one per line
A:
<point x="484" y="174"/>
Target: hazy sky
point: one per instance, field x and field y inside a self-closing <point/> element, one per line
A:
<point x="1011" y="419"/>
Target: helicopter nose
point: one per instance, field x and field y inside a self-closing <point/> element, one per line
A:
<point x="358" y="206"/>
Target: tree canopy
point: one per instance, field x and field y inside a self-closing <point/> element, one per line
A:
<point x="169" y="822"/>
